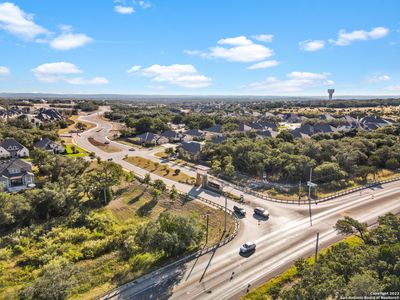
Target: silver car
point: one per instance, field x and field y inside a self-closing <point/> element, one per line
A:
<point x="261" y="212"/>
<point x="248" y="247"/>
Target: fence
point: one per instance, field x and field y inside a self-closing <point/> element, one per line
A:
<point x="330" y="197"/>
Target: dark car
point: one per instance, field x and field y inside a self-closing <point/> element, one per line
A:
<point x="239" y="210"/>
<point x="110" y="159"/>
<point x="261" y="212"/>
<point x="131" y="149"/>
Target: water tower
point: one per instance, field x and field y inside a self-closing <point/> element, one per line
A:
<point x="330" y="92"/>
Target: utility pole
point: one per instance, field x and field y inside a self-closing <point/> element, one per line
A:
<point x="207" y="228"/>
<point x="316" y="252"/>
<point x="299" y="192"/>
<point x="226" y="204"/>
<point x="310" y="184"/>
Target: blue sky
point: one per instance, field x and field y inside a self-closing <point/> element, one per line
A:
<point x="259" y="47"/>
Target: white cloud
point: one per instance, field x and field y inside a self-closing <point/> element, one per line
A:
<point x="67" y="41"/>
<point x="379" y="78"/>
<point x="264" y="65"/>
<point x="295" y="82"/>
<point x="266" y="38"/>
<point x="4" y="71"/>
<point x="83" y="81"/>
<point x="134" y="69"/>
<point x="393" y="88"/>
<point x="346" y="38"/>
<point x="60" y="71"/>
<point x="144" y="4"/>
<point x="125" y="10"/>
<point x="312" y="45"/>
<point x="236" y="41"/>
<point x="17" y="22"/>
<point x="181" y="75"/>
<point x="236" y="49"/>
<point x="307" y="75"/>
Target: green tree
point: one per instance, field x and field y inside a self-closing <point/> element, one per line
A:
<point x="173" y="194"/>
<point x="349" y="226"/>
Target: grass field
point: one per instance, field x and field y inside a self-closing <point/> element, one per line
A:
<point x="159" y="169"/>
<point x="262" y="292"/>
<point x="105" y="147"/>
<point x="79" y="152"/>
<point x="134" y="202"/>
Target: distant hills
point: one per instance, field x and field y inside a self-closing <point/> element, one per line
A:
<point x="173" y="98"/>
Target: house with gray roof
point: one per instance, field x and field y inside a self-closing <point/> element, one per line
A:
<point x="193" y="134"/>
<point x="16" y="175"/>
<point x="192" y="148"/>
<point x="10" y="148"/>
<point x="49" y="145"/>
<point x="149" y="138"/>
<point x="172" y="136"/>
<point x="214" y="130"/>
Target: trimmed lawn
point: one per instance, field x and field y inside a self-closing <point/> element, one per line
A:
<point x="159" y="169"/>
<point x="79" y="152"/>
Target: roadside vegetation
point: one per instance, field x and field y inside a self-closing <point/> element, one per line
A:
<point x="361" y="265"/>
<point x="69" y="239"/>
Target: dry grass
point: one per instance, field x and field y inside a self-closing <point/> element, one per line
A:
<point x="73" y="120"/>
<point x="134" y="201"/>
<point x="161" y="154"/>
<point x="159" y="169"/>
<point x="104" y="147"/>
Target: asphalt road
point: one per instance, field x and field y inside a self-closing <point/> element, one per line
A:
<point x="284" y="237"/>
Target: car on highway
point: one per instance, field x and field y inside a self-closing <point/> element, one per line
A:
<point x="131" y="149"/>
<point x="106" y="142"/>
<point x="239" y="210"/>
<point x="247" y="247"/>
<point x="261" y="212"/>
<point x="110" y="159"/>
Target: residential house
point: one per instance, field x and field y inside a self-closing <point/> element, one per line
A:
<point x="49" y="145"/>
<point x="214" y="130"/>
<point x="324" y="128"/>
<point x="267" y="133"/>
<point x="193" y="135"/>
<point x="374" y="122"/>
<point x="11" y="148"/>
<point x="172" y="136"/>
<point x="218" y="139"/>
<point x="192" y="148"/>
<point x="304" y="131"/>
<point x="149" y="138"/>
<point x="16" y="175"/>
<point x="244" y="128"/>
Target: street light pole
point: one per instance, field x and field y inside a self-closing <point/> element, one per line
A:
<point x="226" y="204"/>
<point x="310" y="184"/>
<point x="207" y="228"/>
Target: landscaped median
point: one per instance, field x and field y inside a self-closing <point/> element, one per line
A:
<point x="104" y="147"/>
<point x="160" y="169"/>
